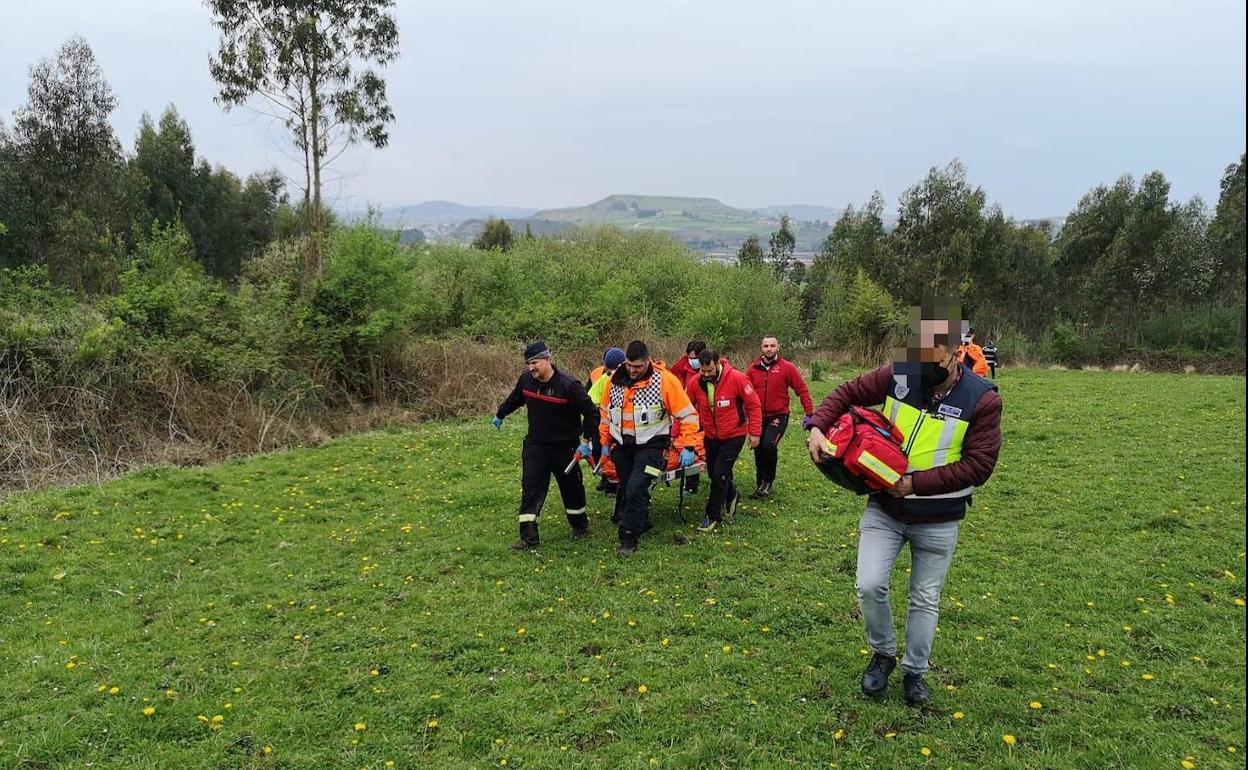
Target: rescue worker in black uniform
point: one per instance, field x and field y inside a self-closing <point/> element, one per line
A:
<point x="561" y="421"/>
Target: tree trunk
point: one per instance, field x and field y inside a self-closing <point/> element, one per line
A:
<point x="318" y="225"/>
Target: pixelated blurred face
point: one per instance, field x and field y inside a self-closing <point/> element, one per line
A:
<point x="771" y="346"/>
<point x="541" y="368"/>
<point x="934" y="340"/>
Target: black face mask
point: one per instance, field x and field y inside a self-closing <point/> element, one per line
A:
<point x="931" y="375"/>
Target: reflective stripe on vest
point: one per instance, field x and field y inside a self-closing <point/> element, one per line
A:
<point x="929" y="440"/>
<point x="938" y="440"/>
<point x="642" y="415"/>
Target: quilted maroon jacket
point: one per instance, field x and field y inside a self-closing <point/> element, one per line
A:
<point x="980" y="446"/>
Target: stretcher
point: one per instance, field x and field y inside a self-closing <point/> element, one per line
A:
<point x="674" y="472"/>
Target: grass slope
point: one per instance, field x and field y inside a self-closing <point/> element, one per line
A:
<point x="355" y="605"/>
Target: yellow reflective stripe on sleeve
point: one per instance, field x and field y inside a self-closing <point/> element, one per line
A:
<point x="653" y="471"/>
<point x="877" y="465"/>
<point x="683" y="413"/>
<point x="527" y="517"/>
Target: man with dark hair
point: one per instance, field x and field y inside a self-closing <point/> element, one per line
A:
<point x="561" y="422"/>
<point x="773" y="377"/>
<point x="728" y="412"/>
<point x="638" y="408"/>
<point x="950" y="421"/>
<point x="686" y="368"/>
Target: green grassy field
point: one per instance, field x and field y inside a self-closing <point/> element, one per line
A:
<point x="355" y="605"/>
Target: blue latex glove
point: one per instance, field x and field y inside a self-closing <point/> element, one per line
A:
<point x="498" y="423"/>
<point x="585" y="450"/>
<point x="686" y="458"/>
<point x="808" y="422"/>
<point x="606" y="450"/>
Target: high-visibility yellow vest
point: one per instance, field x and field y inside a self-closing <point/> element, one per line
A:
<point x="932" y="435"/>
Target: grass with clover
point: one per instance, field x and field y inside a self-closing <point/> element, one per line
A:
<point x="355" y="605"/>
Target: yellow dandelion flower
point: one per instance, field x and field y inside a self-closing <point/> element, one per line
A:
<point x="1147" y="677"/>
<point x="1010" y="740"/>
<point x="114" y="690"/>
<point x="665" y="642"/>
<point x="839" y="734"/>
<point x="1035" y="704"/>
<point x="360" y="727"/>
<point x="958" y="715"/>
<point x="147" y="712"/>
<point x="268" y="750"/>
<point x="217" y="719"/>
<point x="727" y="648"/>
<point x="642" y="689"/>
<point x="389" y="763"/>
<point x="1188" y="764"/>
<point x="432" y="724"/>
<point x="925" y="751"/>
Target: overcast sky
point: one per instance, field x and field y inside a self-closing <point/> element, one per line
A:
<point x="547" y="104"/>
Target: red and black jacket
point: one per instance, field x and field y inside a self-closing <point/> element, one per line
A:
<point x="735" y="411"/>
<point x="772" y="381"/>
<point x="559" y="410"/>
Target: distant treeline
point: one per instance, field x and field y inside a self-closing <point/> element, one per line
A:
<point x="1130" y="273"/>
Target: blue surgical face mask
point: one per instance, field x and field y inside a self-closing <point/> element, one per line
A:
<point x="694" y="363"/>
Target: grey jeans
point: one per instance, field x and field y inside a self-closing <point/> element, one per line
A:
<point x="931" y="549"/>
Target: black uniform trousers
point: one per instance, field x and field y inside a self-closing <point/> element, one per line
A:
<point x="721" y="456"/>
<point x="766" y="455"/>
<point x="637" y="467"/>
<point x="541" y="460"/>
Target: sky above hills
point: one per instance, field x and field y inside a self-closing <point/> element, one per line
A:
<point x="550" y="104"/>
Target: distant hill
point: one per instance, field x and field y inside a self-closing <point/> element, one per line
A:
<point x="446" y="212"/>
<point x="662" y="212"/>
<point x="704" y="224"/>
<point x="803" y="212"/>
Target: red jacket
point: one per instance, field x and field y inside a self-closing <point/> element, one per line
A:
<point x="735" y="410"/>
<point x="683" y="370"/>
<point x="980" y="446"/>
<point x="773" y="383"/>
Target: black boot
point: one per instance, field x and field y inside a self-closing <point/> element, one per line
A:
<point x="915" y="688"/>
<point x="528" y="537"/>
<point x="875" y="678"/>
<point x="763" y="491"/>
<point x="579" y="523"/>
<point x="628" y="543"/>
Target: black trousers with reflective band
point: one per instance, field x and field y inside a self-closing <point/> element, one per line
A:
<point x="767" y="454"/>
<point x="721" y="456"/>
<point x="637" y="468"/>
<point x="539" y="462"/>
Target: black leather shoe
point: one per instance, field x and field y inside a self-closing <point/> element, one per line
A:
<point x="875" y="678"/>
<point x="626" y="549"/>
<point x="916" y="689"/>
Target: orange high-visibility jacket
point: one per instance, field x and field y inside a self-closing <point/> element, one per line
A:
<point x="642" y="412"/>
<point x="973" y="356"/>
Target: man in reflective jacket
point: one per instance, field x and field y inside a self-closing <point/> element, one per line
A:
<point x="639" y="406"/>
<point x="950" y="420"/>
